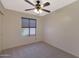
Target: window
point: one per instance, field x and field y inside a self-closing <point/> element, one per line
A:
<point x="28" y="26"/>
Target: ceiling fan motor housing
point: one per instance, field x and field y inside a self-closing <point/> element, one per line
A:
<point x="38" y="6"/>
<point x="38" y="1"/>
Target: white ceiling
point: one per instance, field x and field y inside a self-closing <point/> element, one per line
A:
<point x="21" y="5"/>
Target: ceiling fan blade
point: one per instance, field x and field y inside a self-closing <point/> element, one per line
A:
<point x="1" y="13"/>
<point x="46" y="4"/>
<point x="29" y="9"/>
<point x="46" y="10"/>
<point x="29" y="2"/>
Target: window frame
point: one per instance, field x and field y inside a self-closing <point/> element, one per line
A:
<point x="29" y="25"/>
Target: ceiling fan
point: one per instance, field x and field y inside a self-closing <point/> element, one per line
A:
<point x="38" y="6"/>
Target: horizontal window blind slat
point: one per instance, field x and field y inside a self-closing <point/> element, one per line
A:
<point x="28" y="23"/>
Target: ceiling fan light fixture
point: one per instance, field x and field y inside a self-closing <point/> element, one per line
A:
<point x="38" y="8"/>
<point x="41" y="6"/>
<point x="38" y="11"/>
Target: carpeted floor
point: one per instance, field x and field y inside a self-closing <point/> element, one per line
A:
<point x="36" y="50"/>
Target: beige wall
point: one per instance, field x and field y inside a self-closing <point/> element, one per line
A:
<point x="0" y="32"/>
<point x="1" y="22"/>
<point x="12" y="31"/>
<point x="62" y="29"/>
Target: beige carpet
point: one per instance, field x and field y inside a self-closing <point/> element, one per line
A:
<point x="37" y="50"/>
